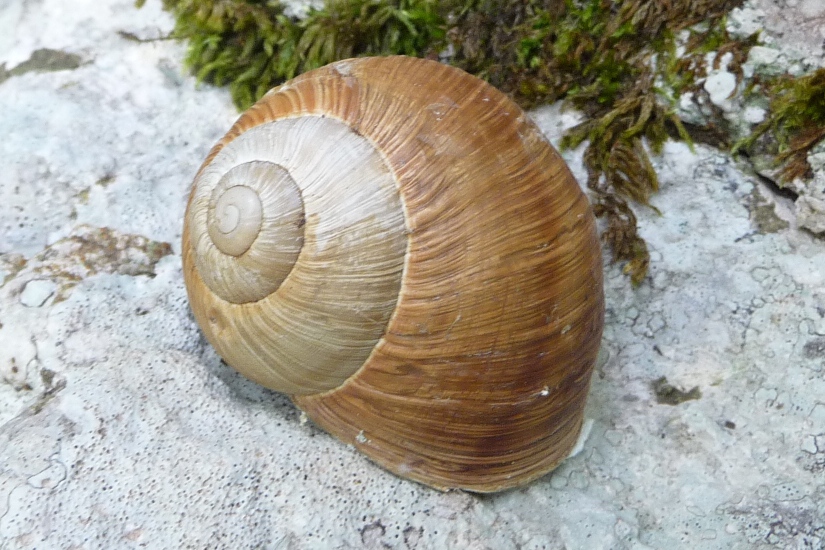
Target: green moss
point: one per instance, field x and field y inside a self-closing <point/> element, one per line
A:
<point x="796" y="122"/>
<point x="616" y="60"/>
<point x="251" y="45"/>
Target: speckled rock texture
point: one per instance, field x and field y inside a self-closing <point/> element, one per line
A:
<point x="121" y="428"/>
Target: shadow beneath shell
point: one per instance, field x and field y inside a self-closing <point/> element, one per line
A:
<point x="244" y="389"/>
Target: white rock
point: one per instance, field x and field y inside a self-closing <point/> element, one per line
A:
<point x="817" y="162"/>
<point x="300" y="8"/>
<point x="810" y="213"/>
<point x="812" y="8"/>
<point x="719" y="87"/>
<point x="36" y="292"/>
<point x="753" y="114"/>
<point x="760" y="55"/>
<point x="765" y="61"/>
<point x="746" y="21"/>
<point x="17" y="351"/>
<point x="688" y="109"/>
<point x="809" y="444"/>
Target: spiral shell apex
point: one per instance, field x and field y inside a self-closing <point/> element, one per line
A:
<point x="394" y="243"/>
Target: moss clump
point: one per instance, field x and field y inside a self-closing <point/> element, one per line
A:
<point x="796" y="122"/>
<point x="252" y="45"/>
<point x="613" y="59"/>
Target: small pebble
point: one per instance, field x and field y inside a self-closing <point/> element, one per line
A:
<point x="37" y="292"/>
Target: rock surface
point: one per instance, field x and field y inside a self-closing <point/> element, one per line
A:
<point x="120" y="427"/>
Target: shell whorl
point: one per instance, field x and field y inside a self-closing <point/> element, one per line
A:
<point x="444" y="308"/>
<point x="287" y="299"/>
<point x="250" y="224"/>
<point x="236" y="219"/>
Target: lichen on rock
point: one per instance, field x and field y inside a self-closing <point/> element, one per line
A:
<point x="86" y="252"/>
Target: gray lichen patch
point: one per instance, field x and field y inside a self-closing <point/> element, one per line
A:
<point x="41" y="61"/>
<point x="765" y="218"/>
<point x="106" y="180"/>
<point x="763" y="214"/>
<point x="90" y="250"/>
<point x="10" y="265"/>
<point x="667" y="394"/>
<point x="815" y="348"/>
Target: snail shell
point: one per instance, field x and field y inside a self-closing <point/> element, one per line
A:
<point x="394" y="243"/>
